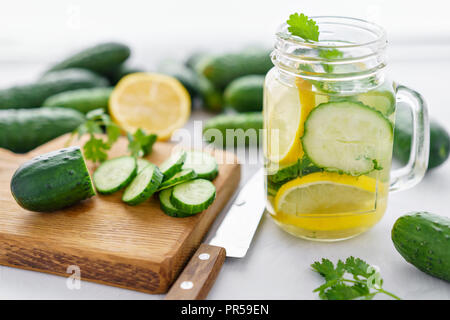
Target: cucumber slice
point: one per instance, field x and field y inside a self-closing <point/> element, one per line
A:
<point x="115" y="174"/>
<point x="179" y="177"/>
<point x="143" y="186"/>
<point x="382" y="101"/>
<point x="204" y="165"/>
<point x="167" y="207"/>
<point x="193" y="196"/>
<point x="348" y="137"/>
<point x="141" y="164"/>
<point x="284" y="172"/>
<point x="173" y="164"/>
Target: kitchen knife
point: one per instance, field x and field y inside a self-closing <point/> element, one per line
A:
<point x="232" y="239"/>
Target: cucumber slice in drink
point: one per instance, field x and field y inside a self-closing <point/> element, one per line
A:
<point x="173" y="164"/>
<point x="179" y="177"/>
<point x="347" y="137"/>
<point x="115" y="174"/>
<point x="143" y="186"/>
<point x="204" y="165"/>
<point x="193" y="196"/>
<point x="382" y="101"/>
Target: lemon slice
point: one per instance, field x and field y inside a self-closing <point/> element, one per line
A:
<point x="327" y="193"/>
<point x="153" y="102"/>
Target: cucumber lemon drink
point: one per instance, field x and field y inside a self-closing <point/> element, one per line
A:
<point x="329" y="115"/>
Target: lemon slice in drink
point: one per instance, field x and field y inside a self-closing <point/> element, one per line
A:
<point x="327" y="193"/>
<point x="153" y="102"/>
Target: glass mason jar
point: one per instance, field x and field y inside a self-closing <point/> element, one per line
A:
<point x="329" y="113"/>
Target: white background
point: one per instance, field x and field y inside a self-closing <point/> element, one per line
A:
<point x="35" y="33"/>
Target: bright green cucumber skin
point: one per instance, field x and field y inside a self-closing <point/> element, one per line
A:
<point x="100" y="58"/>
<point x="252" y="121"/>
<point x="151" y="188"/>
<point x="22" y="130"/>
<point x="423" y="239"/>
<point x="118" y="187"/>
<point x="223" y="68"/>
<point x="52" y="181"/>
<point x="167" y="207"/>
<point x="33" y="95"/>
<point x="175" y="167"/>
<point x="439" y="140"/>
<point x="83" y="100"/>
<point x="177" y="180"/>
<point x="245" y="94"/>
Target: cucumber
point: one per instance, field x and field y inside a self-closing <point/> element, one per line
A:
<point x="347" y="137"/>
<point x="32" y="95"/>
<point x="121" y="71"/>
<point x="383" y="101"/>
<point x="245" y="93"/>
<point x="423" y="239"/>
<point x="195" y="58"/>
<point x="115" y="174"/>
<point x="52" y="181"/>
<point x="283" y="173"/>
<point x="196" y="84"/>
<point x="439" y="140"/>
<point x="193" y="196"/>
<point x="143" y="185"/>
<point x="173" y="165"/>
<point x="101" y="58"/>
<point x="166" y="206"/>
<point x="83" y="100"/>
<point x="204" y="165"/>
<point x="179" y="177"/>
<point x="245" y="129"/>
<point x="141" y="164"/>
<point x="41" y="125"/>
<point x="221" y="69"/>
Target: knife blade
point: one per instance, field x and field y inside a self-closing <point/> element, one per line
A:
<point x="232" y="239"/>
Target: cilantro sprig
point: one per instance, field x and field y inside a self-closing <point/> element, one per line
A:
<point x="300" y="25"/>
<point x="365" y="281"/>
<point x="96" y="148"/>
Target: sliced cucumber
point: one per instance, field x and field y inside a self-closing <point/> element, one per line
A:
<point x="347" y="137"/>
<point x="143" y="186"/>
<point x="283" y="172"/>
<point x="141" y="164"/>
<point x="115" y="174"/>
<point x="382" y="101"/>
<point x="179" y="177"/>
<point x="204" y="165"/>
<point x="166" y="206"/>
<point x="173" y="164"/>
<point x="193" y="196"/>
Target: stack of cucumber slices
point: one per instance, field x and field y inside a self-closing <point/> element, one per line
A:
<point x="183" y="181"/>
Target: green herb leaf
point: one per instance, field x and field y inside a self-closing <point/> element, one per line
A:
<point x="95" y="149"/>
<point x="303" y="27"/>
<point x="140" y="144"/>
<point x="337" y="287"/>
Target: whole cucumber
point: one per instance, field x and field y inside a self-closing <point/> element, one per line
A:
<point x="221" y="69"/>
<point x="32" y="95"/>
<point x="22" y="130"/>
<point x="52" y="181"/>
<point x="101" y="58"/>
<point x="439" y="140"/>
<point x="83" y="100"/>
<point x="245" y="94"/>
<point x="228" y="130"/>
<point x="423" y="239"/>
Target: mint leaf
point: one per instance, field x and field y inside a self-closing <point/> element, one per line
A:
<point x="330" y="53"/>
<point x="95" y="149"/>
<point x="303" y="27"/>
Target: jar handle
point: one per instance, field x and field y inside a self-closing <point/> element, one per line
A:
<point x="413" y="172"/>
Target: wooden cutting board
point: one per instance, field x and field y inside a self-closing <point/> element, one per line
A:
<point x="138" y="248"/>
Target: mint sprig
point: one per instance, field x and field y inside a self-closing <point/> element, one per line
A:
<point x="301" y="26"/>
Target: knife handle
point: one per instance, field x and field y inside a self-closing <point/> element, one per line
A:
<point x="199" y="275"/>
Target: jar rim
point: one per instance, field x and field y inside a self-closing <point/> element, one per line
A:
<point x="375" y="29"/>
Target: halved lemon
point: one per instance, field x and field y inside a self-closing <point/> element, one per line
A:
<point x="153" y="102"/>
<point x="327" y="193"/>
